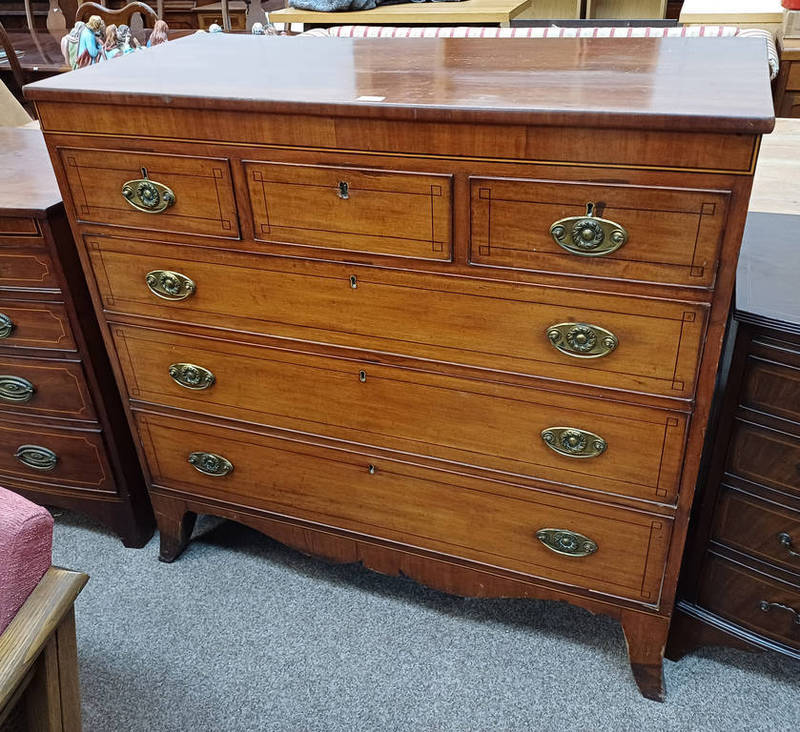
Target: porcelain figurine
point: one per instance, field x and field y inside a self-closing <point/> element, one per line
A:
<point x="159" y="35"/>
<point x="111" y="45"/>
<point x="215" y="28"/>
<point x="90" y="47"/>
<point x="69" y="44"/>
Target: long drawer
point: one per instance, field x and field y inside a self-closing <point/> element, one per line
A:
<point x="762" y="603"/>
<point x="34" y="324"/>
<point x="488" y="425"/>
<point x="494" y="524"/>
<point x="652" y="234"/>
<point x="47" y="387"/>
<point x="69" y="458"/>
<point x="604" y="340"/>
<point x="27" y="269"/>
<point x="764" y="529"/>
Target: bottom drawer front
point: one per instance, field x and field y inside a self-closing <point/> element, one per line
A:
<point x="486" y="522"/>
<point x="51" y="456"/>
<point x="756" y="601"/>
<point x="765" y="530"/>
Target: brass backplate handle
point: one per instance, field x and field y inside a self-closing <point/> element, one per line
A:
<point x="582" y="340"/>
<point x="16" y="390"/>
<point x="148" y="195"/>
<point x="210" y="463"/>
<point x="36" y="457"/>
<point x="191" y="376"/>
<point x="566" y="542"/>
<point x="573" y="442"/>
<point x="765" y="607"/>
<point x="785" y="540"/>
<point x="169" y="285"/>
<point x="588" y="236"/>
<point x="6" y="326"/>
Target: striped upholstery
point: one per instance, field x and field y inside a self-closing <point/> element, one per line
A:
<point x="687" y="31"/>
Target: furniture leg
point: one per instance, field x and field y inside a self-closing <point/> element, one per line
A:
<point x="175" y="523"/>
<point x="646" y="636"/>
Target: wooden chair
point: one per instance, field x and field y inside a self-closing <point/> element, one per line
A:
<point x="127" y="15"/>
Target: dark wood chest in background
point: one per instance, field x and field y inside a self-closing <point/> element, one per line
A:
<point x="64" y="440"/>
<point x="391" y="306"/>
<point x="741" y="581"/>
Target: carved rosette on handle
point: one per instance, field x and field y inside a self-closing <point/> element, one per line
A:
<point x="191" y="376"/>
<point x="573" y="442"/>
<point x="148" y="195"/>
<point x="582" y="340"/>
<point x="169" y="285"/>
<point x="588" y="236"/>
<point x="210" y="463"/>
<point x="566" y="542"/>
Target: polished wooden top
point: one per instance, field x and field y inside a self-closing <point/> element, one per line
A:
<point x="768" y="276"/>
<point x="670" y="83"/>
<point x="731" y="11"/>
<point x="27" y="182"/>
<point x="431" y="13"/>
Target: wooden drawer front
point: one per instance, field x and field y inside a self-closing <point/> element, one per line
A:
<point x="673" y="235"/>
<point x="204" y="202"/>
<point x="28" y="270"/>
<point x="19" y="226"/>
<point x="737" y="594"/>
<point x="487" y="425"/>
<point x="431" y="509"/>
<point x="59" y="388"/>
<point x="793" y="77"/>
<point x="501" y="327"/>
<point x="765" y="456"/>
<point x="772" y="387"/>
<point x="758" y="527"/>
<point x="355" y="209"/>
<point x="81" y="459"/>
<point x="35" y="325"/>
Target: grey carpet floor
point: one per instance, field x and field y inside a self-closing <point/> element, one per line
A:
<point x="242" y="633"/>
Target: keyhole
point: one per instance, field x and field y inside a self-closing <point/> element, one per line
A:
<point x="590" y="209"/>
<point x="344" y="189"/>
<point x="144" y="173"/>
<point x="362" y="376"/>
<point x="353" y="282"/>
<point x="371" y="469"/>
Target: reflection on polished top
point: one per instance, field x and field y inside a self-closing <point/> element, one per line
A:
<point x="667" y="83"/>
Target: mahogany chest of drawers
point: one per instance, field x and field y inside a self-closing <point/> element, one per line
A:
<point x="741" y="579"/>
<point x="389" y="306"/>
<point x="64" y="440"/>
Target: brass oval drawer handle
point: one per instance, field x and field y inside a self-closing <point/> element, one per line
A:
<point x="7" y="326"/>
<point x="582" y="340"/>
<point x="588" y="236"/>
<point x="765" y="607"/>
<point x="786" y="541"/>
<point x="16" y="390"/>
<point x="191" y="376"/>
<point x="574" y="443"/>
<point x="210" y="463"/>
<point x="148" y="195"/>
<point x="566" y="542"/>
<point x="36" y="457"/>
<point x="169" y="285"/>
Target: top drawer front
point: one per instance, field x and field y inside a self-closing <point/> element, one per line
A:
<point x="501" y="327"/>
<point x="202" y="189"/>
<point x="673" y="236"/>
<point x="353" y="209"/>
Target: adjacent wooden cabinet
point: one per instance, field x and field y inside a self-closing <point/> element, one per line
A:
<point x="462" y="326"/>
<point x="741" y="579"/>
<point x="64" y="440"/>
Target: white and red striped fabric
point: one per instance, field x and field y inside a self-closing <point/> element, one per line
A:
<point x="687" y="31"/>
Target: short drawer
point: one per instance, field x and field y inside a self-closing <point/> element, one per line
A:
<point x="772" y="387"/>
<point x="14" y="226"/>
<point x="756" y="601"/>
<point x="480" y="521"/>
<point x="49" y="387"/>
<point x="492" y="426"/>
<point x="654" y="344"/>
<point x="765" y="456"/>
<point x="27" y="269"/>
<point x="34" y="324"/>
<point x="762" y="529"/>
<point x="72" y="458"/>
<point x="352" y="209"/>
<point x="670" y="236"/>
<point x="132" y="189"/>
